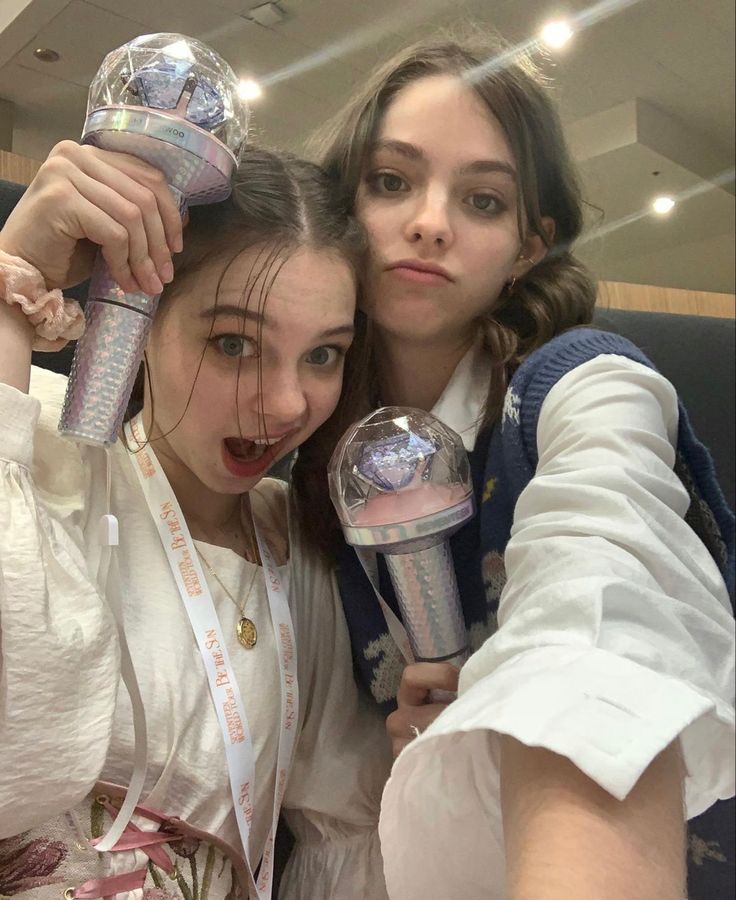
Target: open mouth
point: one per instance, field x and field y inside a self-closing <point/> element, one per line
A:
<point x="245" y="458"/>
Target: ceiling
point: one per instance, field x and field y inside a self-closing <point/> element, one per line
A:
<point x="646" y="91"/>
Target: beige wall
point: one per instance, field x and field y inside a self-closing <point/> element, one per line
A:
<point x="615" y="294"/>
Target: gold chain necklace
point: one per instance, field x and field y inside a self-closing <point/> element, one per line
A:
<point x="246" y="628"/>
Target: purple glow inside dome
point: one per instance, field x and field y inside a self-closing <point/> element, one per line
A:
<point x="392" y="463"/>
<point x="161" y="84"/>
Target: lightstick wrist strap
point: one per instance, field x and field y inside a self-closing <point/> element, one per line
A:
<point x="56" y="320"/>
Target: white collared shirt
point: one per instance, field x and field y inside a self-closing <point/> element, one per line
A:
<point x="616" y="635"/>
<point x="463" y="400"/>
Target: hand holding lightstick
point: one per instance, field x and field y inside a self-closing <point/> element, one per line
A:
<point x="400" y="481"/>
<point x="174" y="103"/>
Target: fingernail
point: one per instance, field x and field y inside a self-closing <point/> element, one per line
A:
<point x="167" y="272"/>
<point x="156" y="284"/>
<point x="178" y="245"/>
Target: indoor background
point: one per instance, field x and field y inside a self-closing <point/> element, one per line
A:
<point x="645" y="88"/>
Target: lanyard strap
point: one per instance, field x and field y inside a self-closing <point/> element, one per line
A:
<point x="369" y="561"/>
<point x="226" y="697"/>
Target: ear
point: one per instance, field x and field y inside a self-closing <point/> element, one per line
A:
<point x="535" y="247"/>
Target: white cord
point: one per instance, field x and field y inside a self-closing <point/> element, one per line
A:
<point x="109" y="559"/>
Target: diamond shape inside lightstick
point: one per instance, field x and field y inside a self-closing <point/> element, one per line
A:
<point x="394" y="462"/>
<point x="161" y="85"/>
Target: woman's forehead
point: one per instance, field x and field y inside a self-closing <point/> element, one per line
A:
<point x="444" y="113"/>
<point x="302" y="283"/>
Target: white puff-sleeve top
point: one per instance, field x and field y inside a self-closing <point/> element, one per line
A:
<point x="65" y="718"/>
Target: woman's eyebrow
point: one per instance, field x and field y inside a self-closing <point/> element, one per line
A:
<point x="410" y="151"/>
<point x="488" y="166"/>
<point x="416" y="154"/>
<point x="347" y="329"/>
<point x="231" y="309"/>
<point x="252" y="315"/>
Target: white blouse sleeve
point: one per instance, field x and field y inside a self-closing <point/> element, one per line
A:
<point x="616" y="636"/>
<point x="342" y="759"/>
<point x="58" y="651"/>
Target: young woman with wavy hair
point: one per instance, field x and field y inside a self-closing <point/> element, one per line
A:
<point x="593" y="577"/>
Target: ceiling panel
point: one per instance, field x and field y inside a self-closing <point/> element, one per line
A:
<point x="192" y="19"/>
<point x="82" y="34"/>
<point x="675" y="54"/>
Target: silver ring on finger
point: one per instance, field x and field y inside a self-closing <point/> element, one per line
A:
<point x="415" y="730"/>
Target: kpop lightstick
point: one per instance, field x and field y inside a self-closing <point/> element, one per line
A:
<point x="400" y="481"/>
<point x="174" y="103"/>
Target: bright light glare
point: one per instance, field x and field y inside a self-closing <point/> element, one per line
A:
<point x="556" y="34"/>
<point x="663" y="205"/>
<point x="249" y="89"/>
<point x="179" y="50"/>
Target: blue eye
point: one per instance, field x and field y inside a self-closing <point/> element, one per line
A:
<point x="234" y="345"/>
<point x="324" y="356"/>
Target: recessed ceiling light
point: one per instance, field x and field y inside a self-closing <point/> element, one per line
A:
<point x="663" y="205"/>
<point x="45" y="54"/>
<point x="249" y="89"/>
<point x="556" y="34"/>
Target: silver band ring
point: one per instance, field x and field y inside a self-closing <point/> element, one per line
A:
<point x="414" y="730"/>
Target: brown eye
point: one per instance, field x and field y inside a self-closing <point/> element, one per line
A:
<point x="391" y="182"/>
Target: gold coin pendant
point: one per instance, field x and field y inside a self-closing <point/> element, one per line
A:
<point x="247" y="634"/>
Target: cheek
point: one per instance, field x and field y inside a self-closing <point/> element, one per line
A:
<point x="374" y="220"/>
<point x="323" y="400"/>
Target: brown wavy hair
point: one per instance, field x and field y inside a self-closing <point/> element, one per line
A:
<point x="556" y="294"/>
<point x="280" y="203"/>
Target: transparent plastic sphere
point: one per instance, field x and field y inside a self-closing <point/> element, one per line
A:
<point x="174" y="74"/>
<point x="396" y="466"/>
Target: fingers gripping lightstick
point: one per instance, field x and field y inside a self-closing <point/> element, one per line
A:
<point x="400" y="481"/>
<point x="174" y="103"/>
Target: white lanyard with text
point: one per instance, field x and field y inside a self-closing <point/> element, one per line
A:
<point x="226" y="697"/>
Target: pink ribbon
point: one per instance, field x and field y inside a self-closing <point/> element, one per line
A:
<point x="103" y="887"/>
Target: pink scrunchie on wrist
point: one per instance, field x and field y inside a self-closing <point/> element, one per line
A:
<point x="57" y="321"/>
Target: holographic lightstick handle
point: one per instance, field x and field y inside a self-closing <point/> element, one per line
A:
<point x="426" y="590"/>
<point x="107" y="356"/>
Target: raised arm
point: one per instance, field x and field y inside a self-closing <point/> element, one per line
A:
<point x="83" y="198"/>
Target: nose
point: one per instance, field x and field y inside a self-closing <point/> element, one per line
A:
<point x="283" y="401"/>
<point x="429" y="222"/>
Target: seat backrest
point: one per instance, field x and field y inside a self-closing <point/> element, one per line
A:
<point x="696" y="353"/>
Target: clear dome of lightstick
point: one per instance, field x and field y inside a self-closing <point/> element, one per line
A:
<point x="173" y="103"/>
<point x="177" y="76"/>
<point x="399" y="475"/>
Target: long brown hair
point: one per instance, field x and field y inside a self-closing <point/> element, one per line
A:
<point x="556" y="294"/>
<point x="278" y="202"/>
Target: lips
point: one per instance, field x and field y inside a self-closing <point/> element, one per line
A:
<point x="419" y="271"/>
<point x="247" y="459"/>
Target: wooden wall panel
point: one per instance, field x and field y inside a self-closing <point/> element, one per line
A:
<point x="17" y="168"/>
<point x="647" y="297"/>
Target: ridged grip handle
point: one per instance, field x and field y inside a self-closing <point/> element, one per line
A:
<point x="426" y="589"/>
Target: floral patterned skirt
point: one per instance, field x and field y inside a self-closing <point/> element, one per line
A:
<point x="57" y="860"/>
